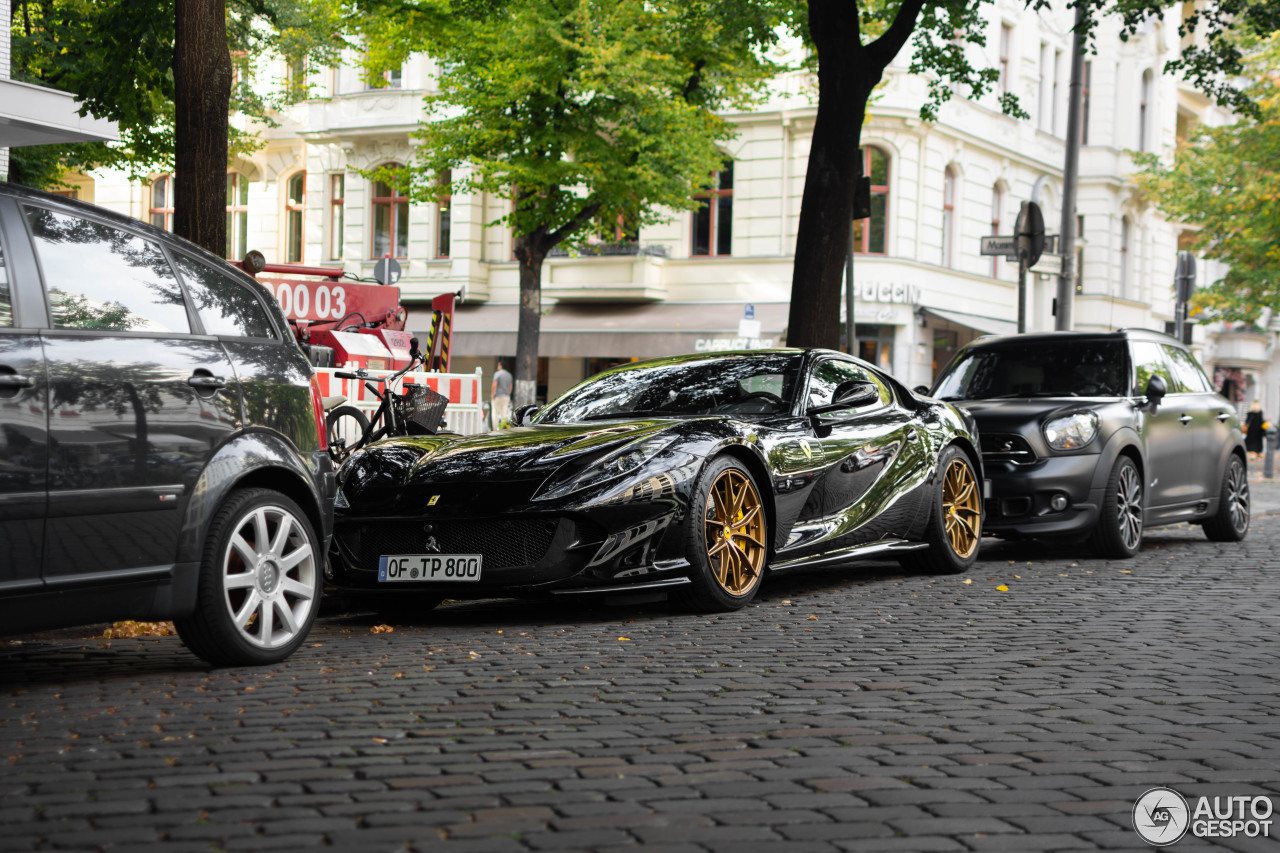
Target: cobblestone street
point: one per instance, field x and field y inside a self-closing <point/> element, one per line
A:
<point x="857" y="709"/>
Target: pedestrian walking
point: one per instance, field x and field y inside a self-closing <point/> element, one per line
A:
<point x="1253" y="431"/>
<point x="500" y="393"/>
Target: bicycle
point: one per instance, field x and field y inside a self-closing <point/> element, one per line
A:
<point x="417" y="411"/>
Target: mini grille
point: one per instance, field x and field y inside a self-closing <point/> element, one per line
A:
<point x="1006" y="448"/>
<point x="504" y="543"/>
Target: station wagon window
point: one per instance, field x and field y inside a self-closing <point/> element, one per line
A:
<point x="1191" y="378"/>
<point x="225" y="306"/>
<point x="6" y="305"/>
<point x="831" y="374"/>
<point x="1149" y="361"/>
<point x="99" y="277"/>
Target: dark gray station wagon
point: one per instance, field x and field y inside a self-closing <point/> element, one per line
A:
<point x="161" y="438"/>
<point x="1101" y="435"/>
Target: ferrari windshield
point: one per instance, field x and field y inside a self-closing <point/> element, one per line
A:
<point x="738" y="385"/>
<point x="1069" y="368"/>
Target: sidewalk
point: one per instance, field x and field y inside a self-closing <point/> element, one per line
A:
<point x="1265" y="494"/>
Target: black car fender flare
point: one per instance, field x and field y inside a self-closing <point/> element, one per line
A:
<point x="259" y="458"/>
<point x="1124" y="440"/>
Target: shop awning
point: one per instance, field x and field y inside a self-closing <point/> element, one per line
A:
<point x="977" y="322"/>
<point x="611" y="331"/>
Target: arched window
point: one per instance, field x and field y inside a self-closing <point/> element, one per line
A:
<point x="1126" y="229"/>
<point x="237" y="215"/>
<point x="162" y="202"/>
<point x="997" y="205"/>
<point x="1143" y="111"/>
<point x="390" y="220"/>
<point x="713" y="218"/>
<point x="869" y="234"/>
<point x="294" y="214"/>
<point x="948" y="215"/>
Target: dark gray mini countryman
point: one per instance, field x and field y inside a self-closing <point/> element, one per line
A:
<point x="161" y="438"/>
<point x="1100" y="435"/>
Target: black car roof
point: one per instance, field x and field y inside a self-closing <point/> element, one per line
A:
<point x="61" y="201"/>
<point x="1060" y="337"/>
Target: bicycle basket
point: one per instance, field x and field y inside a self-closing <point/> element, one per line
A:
<point x="421" y="410"/>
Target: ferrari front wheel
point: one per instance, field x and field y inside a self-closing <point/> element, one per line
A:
<point x="727" y="539"/>
<point x="955" y="517"/>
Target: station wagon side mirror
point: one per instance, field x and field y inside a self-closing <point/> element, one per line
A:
<point x="1156" y="389"/>
<point x="524" y="414"/>
<point x="922" y="390"/>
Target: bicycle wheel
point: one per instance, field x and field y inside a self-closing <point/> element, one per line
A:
<point x="348" y="430"/>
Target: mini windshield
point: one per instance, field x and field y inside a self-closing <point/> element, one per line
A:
<point x="717" y="385"/>
<point x="1079" y="368"/>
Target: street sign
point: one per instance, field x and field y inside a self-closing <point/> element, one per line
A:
<point x="1030" y="232"/>
<point x="1049" y="264"/>
<point x="387" y="271"/>
<point x="749" y="312"/>
<point x="1006" y="246"/>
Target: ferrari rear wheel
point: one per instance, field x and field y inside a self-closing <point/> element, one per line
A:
<point x="955" y="517"/>
<point x="727" y="540"/>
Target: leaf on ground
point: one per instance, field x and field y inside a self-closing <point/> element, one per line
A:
<point x="1002" y="588"/>
<point x="967" y="581"/>
<point x="624" y="639"/>
<point x="381" y="629"/>
<point x="130" y="628"/>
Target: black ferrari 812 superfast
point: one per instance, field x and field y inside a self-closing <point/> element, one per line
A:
<point x="690" y="476"/>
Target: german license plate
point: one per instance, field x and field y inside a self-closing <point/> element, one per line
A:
<point x="459" y="568"/>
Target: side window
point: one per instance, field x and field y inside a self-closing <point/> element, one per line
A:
<point x="99" y="277"/>
<point x="225" y="306"/>
<point x="1149" y="361"/>
<point x="1189" y="375"/>
<point x="831" y="374"/>
<point x="6" y="302"/>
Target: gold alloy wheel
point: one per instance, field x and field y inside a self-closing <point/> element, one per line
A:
<point x="960" y="508"/>
<point x="735" y="534"/>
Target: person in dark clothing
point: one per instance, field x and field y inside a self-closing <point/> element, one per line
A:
<point x="1253" y="433"/>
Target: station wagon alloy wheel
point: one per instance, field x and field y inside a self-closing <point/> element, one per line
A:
<point x="735" y="532"/>
<point x="269" y="576"/>
<point x="960" y="508"/>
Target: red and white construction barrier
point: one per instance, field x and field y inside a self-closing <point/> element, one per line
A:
<point x="463" y="414"/>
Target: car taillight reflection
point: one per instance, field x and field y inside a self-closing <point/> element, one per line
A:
<point x="317" y="406"/>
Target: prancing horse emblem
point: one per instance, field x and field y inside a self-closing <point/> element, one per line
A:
<point x="432" y="500"/>
<point x="431" y="545"/>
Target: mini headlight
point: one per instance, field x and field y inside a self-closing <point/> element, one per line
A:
<point x="622" y="461"/>
<point x="1071" y="432"/>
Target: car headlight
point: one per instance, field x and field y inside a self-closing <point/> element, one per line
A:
<point x="1071" y="432"/>
<point x="624" y="460"/>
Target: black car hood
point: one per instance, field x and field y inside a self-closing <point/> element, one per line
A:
<point x="520" y="453"/>
<point x="1006" y="414"/>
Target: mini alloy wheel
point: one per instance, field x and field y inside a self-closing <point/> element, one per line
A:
<point x="961" y="508"/>
<point x="735" y="532"/>
<point x="1231" y="522"/>
<point x="1118" y="533"/>
<point x="1129" y="508"/>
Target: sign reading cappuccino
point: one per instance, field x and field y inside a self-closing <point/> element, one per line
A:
<point x="888" y="291"/>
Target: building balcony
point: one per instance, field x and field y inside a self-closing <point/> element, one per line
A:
<point x="607" y="272"/>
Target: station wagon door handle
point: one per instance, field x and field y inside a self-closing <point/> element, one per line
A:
<point x="205" y="382"/>
<point x="1223" y="416"/>
<point x="15" y="380"/>
<point x="1184" y="420"/>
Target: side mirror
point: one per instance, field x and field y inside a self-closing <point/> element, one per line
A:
<point x="922" y="390"/>
<point x="524" y="414"/>
<point x="1156" y="389"/>
<point x="855" y="392"/>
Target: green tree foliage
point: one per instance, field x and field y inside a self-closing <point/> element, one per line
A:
<point x="1226" y="180"/>
<point x="118" y="58"/>
<point x="578" y="111"/>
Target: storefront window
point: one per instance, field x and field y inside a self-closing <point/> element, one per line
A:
<point x="875" y="345"/>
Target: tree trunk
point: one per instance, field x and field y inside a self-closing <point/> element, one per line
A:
<point x="202" y="99"/>
<point x="530" y="252"/>
<point x="848" y="72"/>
